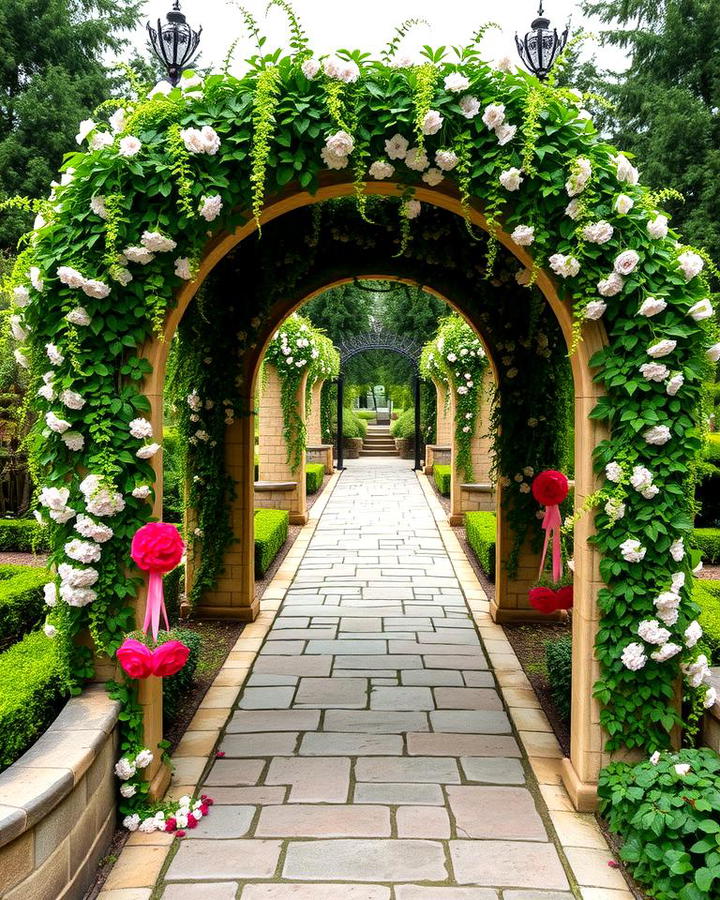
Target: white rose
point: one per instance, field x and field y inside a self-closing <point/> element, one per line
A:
<point x="667" y="651"/>
<point x="55" y="424"/>
<point x="117" y="120"/>
<point x="690" y="264"/>
<point x="651" y="631"/>
<point x="73" y="440"/>
<point x="623" y="204"/>
<point x="416" y="159"/>
<point x="50" y="593"/>
<point x="494" y="115"/>
<point x="703" y="309"/>
<point x="147" y="451"/>
<point x="456" y="82"/>
<point x="332" y="160"/>
<point x="511" y="179"/>
<point x="626" y="262"/>
<point x="682" y="768"/>
<point x="661" y="348"/>
<point x="86" y="126"/>
<point x="157" y="242"/>
<point x="446" y="160"/>
<point x="72" y="399"/>
<point x="129" y="146"/>
<point x="713" y="353"/>
<point x="131" y="822"/>
<point x="658" y="227"/>
<point x="674" y="384"/>
<point x="613" y="472"/>
<point x="505" y="133"/>
<point x="381" y="169"/>
<point x="654" y="371"/>
<point x="144" y="758"/>
<point x="340" y="143"/>
<point x="658" y="435"/>
<point x="128" y="790"/>
<point x="310" y="68"/>
<point x="432" y="123"/>
<point x="573" y="208"/>
<point x="469" y="106"/>
<point x="595" y="309"/>
<point x="651" y="306"/>
<point x="433" y="177"/>
<point x="613" y="284"/>
<point x="523" y="235"/>
<point x="50" y="630"/>
<point x="692" y="634"/>
<point x="598" y="233"/>
<point x="632" y="550"/>
<point x="21" y="296"/>
<point x="138" y="255"/>
<point x="141" y="492"/>
<point x="633" y="657"/>
<point x="124" y="769"/>
<point x="615" y="509"/>
<point x="141" y="428"/>
<point x="677" y="549"/>
<point x="210" y="207"/>
<point x="182" y="268"/>
<point x="69" y="276"/>
<point x="396" y="147"/>
<point x="710" y="698"/>
<point x="78" y="316"/>
<point x="625" y="171"/>
<point x="565" y="266"/>
<point x="36" y="278"/>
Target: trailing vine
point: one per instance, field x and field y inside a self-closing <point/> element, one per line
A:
<point x="267" y="90"/>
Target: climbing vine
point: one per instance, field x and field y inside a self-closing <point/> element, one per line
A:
<point x="614" y="256"/>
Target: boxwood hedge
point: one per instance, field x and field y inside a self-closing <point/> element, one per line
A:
<point x="314" y="475"/>
<point x="22" y="603"/>
<point x="441" y="474"/>
<point x="480" y="530"/>
<point x="271" y="531"/>
<point x="22" y="536"/>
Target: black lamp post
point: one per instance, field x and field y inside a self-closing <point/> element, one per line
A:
<point x="541" y="47"/>
<point x="174" y="43"/>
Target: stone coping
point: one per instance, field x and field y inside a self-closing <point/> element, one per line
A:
<point x="43" y="776"/>
<point x="479" y="488"/>
<point x="318" y="447"/>
<point x="261" y="486"/>
<point x="439" y="447"/>
<point x="714" y="711"/>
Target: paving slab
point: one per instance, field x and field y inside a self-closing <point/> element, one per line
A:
<point x="365" y="860"/>
<point x="324" y="821"/>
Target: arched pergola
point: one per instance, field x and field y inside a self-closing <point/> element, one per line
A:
<point x="406" y="347"/>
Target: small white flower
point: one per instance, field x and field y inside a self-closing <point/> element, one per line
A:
<point x="332" y="160"/>
<point x="494" y="115"/>
<point x="71" y="277"/>
<point x="128" y="790"/>
<point x="658" y="227"/>
<point x="446" y="160"/>
<point x="677" y="549"/>
<point x="674" y="383"/>
<point x="633" y="657"/>
<point x="651" y="306"/>
<point x="182" y="268"/>
<point x="397" y="147"/>
<point x="161" y="89"/>
<point x="124" y="769"/>
<point x="432" y="122"/>
<point x="641" y="478"/>
<point x="21" y="359"/>
<point x="682" y="768"/>
<point x="310" y="68"/>
<point x="141" y="428"/>
<point x="626" y="262"/>
<point x="121" y="275"/>
<point x="59" y="426"/>
<point x="651" y="631"/>
<point x="143" y="759"/>
<point x="50" y="630"/>
<point x="632" y="550"/>
<point x="157" y="242"/>
<point x="138" y="255"/>
<point x="141" y="492"/>
<point x="599" y="232"/>
<point x="692" y="634"/>
<point x="73" y="440"/>
<point x="511" y="179"/>
<point x="72" y="399"/>
<point x="690" y="264"/>
<point x="654" y="371"/>
<point x="456" y="82"/>
<point x="697" y="673"/>
<point x="381" y="169"/>
<point x="147" y="451"/>
<point x="433" y="177"/>
<point x="210" y="207"/>
<point x="129" y="146"/>
<point x="658" y="435"/>
<point x="469" y="106"/>
<point x="625" y="171"/>
<point x="82" y="551"/>
<point x="416" y="159"/>
<point x="78" y="316"/>
<point x="595" y="309"/>
<point x="523" y="235"/>
<point x="18" y="332"/>
<point x="703" y="309"/>
<point x="613" y="284"/>
<point x="655" y="758"/>
<point x="623" y="204"/>
<point x="96" y="531"/>
<point x="661" y="348"/>
<point x="565" y="266"/>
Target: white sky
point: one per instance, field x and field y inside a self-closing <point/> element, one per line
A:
<point x="369" y="25"/>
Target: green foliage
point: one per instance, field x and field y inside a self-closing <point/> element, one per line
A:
<point x="558" y="661"/>
<point x="481" y="534"/>
<point x="22" y="602"/>
<point x="669" y="822"/>
<point x="23" y="536"/>
<point x="354" y="426"/>
<point x="456" y="357"/>
<point x="53" y="76"/>
<point x="711" y="450"/>
<point x="442" y="476"/>
<point x="404" y="425"/>
<point x="177" y="686"/>
<point x="173" y="479"/>
<point x="271" y="531"/>
<point x="369" y="415"/>
<point x="706" y="593"/>
<point x="707" y="540"/>
<point x="31" y="694"/>
<point x="172" y="585"/>
<point x="314" y="475"/>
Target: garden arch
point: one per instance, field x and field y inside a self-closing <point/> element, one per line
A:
<point x="379" y="340"/>
<point x="157" y="177"/>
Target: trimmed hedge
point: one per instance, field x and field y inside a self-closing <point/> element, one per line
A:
<point x="22" y="536"/>
<point x="404" y="425"/>
<point x="481" y="531"/>
<point x="558" y="660"/>
<point x="31" y="694"/>
<point x="173" y="584"/>
<point x="707" y="540"/>
<point x="353" y="425"/>
<point x="22" y="602"/>
<point x="271" y="531"/>
<point x="441" y="474"/>
<point x="706" y="593"/>
<point x="176" y="688"/>
<point x="368" y="414"/>
<point x="314" y="475"/>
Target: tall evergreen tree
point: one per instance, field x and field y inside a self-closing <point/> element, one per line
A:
<point x="665" y="105"/>
<point x="52" y="75"/>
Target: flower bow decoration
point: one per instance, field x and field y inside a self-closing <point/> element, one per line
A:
<point x="140" y="661"/>
<point x="550" y="488"/>
<point x="156" y="548"/>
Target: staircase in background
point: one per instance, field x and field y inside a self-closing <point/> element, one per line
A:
<point x="378" y="442"/>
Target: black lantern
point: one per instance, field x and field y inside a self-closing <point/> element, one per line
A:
<point x="541" y="47"/>
<point x="174" y="43"/>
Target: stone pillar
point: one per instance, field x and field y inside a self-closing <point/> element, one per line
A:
<point x="481" y="496"/>
<point x="274" y="469"/>
<point x="318" y="451"/>
<point x="443" y="425"/>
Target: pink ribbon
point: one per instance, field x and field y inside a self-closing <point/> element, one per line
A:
<point x="155" y="605"/>
<point x="552" y="523"/>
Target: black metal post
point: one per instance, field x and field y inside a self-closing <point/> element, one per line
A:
<point x="418" y="439"/>
<point x="340" y="381"/>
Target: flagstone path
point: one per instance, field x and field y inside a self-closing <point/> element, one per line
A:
<point x="370" y="756"/>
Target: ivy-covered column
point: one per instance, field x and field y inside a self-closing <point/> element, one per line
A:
<point x="479" y="494"/>
<point x="280" y="464"/>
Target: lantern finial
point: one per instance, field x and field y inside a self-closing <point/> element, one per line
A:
<point x="541" y="46"/>
<point x="174" y="43"/>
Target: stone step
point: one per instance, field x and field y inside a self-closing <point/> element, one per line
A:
<point x="392" y="452"/>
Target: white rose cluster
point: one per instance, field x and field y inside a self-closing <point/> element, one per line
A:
<point x="89" y="286"/>
<point x="565" y="266"/>
<point x="494" y="119"/>
<point x="100" y="500"/>
<point x="336" y="152"/>
<point x="201" y="140"/>
<point x="580" y="174"/>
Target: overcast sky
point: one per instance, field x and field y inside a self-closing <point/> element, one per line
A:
<point x="369" y="24"/>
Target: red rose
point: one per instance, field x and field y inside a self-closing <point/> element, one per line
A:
<point x="550" y="487"/>
<point x="170" y="824"/>
<point x="157" y="547"/>
<point x="565" y="597"/>
<point x="180" y="833"/>
<point x="135" y="658"/>
<point x="543" y="599"/>
<point x="209" y="801"/>
<point x="169" y="658"/>
<point x="192" y="821"/>
<point x="204" y="809"/>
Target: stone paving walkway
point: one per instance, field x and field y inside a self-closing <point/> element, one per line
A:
<point x="370" y="756"/>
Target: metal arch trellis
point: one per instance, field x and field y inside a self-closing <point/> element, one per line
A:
<point x="378" y="339"/>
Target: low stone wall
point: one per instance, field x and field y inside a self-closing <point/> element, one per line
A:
<point x="437" y="454"/>
<point x="322" y="453"/>
<point x="57" y="803"/>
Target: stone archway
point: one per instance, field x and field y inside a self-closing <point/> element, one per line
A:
<point x="587" y="756"/>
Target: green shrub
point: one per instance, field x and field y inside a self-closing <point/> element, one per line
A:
<point x="706" y="593"/>
<point x="441" y="474"/>
<point x="712" y="447"/>
<point x="22" y="536"/>
<point x="353" y="425"/>
<point x="558" y="659"/>
<point x="172" y="477"/>
<point x="31" y="694"/>
<point x="369" y="415"/>
<point x="173" y="584"/>
<point x="481" y="531"/>
<point x="404" y="425"/>
<point x="707" y="540"/>
<point x="271" y="531"/>
<point x="669" y="823"/>
<point x="22" y="601"/>
<point x="314" y="475"/>
<point x="177" y="686"/>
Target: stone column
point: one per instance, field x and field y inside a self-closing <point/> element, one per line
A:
<point x="443" y="424"/>
<point x="481" y="495"/>
<point x="321" y="452"/>
<point x="280" y="486"/>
